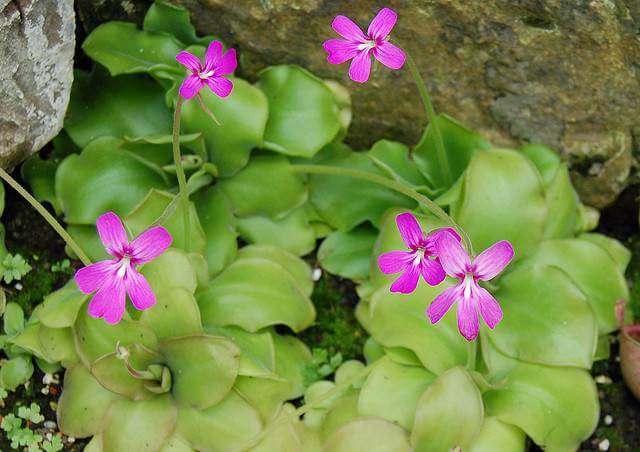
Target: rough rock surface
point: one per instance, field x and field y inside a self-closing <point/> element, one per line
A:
<point x="37" y="39"/>
<point x="565" y="73"/>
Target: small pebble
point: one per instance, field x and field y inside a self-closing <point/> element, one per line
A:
<point x="45" y="390"/>
<point x="316" y="274"/>
<point x="18" y="286"/>
<point x="47" y="379"/>
<point x="618" y="358"/>
<point x="604" y="444"/>
<point x="608" y="420"/>
<point x="603" y="380"/>
<point x="50" y="424"/>
<point x="49" y="436"/>
<point x="71" y="439"/>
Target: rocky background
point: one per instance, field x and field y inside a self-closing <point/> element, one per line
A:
<point x="565" y="73"/>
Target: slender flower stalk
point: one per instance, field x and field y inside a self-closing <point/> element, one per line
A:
<point x="47" y="216"/>
<point x="431" y="117"/>
<point x="421" y="199"/>
<point x="182" y="179"/>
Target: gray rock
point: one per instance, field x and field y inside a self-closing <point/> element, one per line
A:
<point x="516" y="70"/>
<point x="36" y="70"/>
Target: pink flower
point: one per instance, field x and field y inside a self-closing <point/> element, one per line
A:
<point x="359" y="47"/>
<point x="215" y="66"/>
<point x="472" y="299"/>
<point x="418" y="260"/>
<point x="114" y="279"/>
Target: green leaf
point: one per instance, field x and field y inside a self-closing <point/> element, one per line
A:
<point x="546" y="319"/>
<point x="243" y="117"/>
<point x="372" y="435"/>
<point x="496" y="435"/>
<point x="15" y="372"/>
<point x="81" y="181"/>
<point x="303" y="113"/>
<point x="254" y="293"/>
<point x="204" y="368"/>
<point x="563" y="205"/>
<point x="592" y="269"/>
<point x="561" y="403"/>
<point x="123" y="49"/>
<point x="399" y="320"/>
<point x="144" y="425"/>
<point x="165" y="17"/>
<point x="265" y="394"/>
<point x="60" y="308"/>
<point x="460" y="145"/>
<point x="157" y="149"/>
<point x="58" y="345"/>
<point x="395" y="160"/>
<point x="257" y="352"/>
<point x="170" y="270"/>
<point x="223" y="427"/>
<point x="13" y="319"/>
<point x="449" y="413"/>
<point x="95" y="337"/>
<point x="111" y="372"/>
<point x="291" y="357"/>
<point x="292" y="233"/>
<point x="153" y="206"/>
<point x="40" y="175"/>
<point x="296" y="267"/>
<point x="175" y="314"/>
<point x="495" y="182"/>
<point x="546" y="160"/>
<point x="219" y="226"/>
<point x="345" y="202"/>
<point x="348" y="254"/>
<point x="247" y="193"/>
<point x="616" y="250"/>
<point x="391" y="392"/>
<point x="28" y="340"/>
<point x="100" y="105"/>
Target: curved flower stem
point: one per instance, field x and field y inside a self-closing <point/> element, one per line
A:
<point x="47" y="216"/>
<point x="182" y="180"/>
<point x="431" y="116"/>
<point x="308" y="406"/>
<point x="472" y="353"/>
<point x="421" y="199"/>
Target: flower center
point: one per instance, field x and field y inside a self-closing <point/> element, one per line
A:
<point x="124" y="265"/>
<point x="204" y="75"/>
<point x="468" y="281"/>
<point x="367" y="45"/>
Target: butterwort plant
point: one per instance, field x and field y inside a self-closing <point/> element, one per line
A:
<point x="114" y="279"/>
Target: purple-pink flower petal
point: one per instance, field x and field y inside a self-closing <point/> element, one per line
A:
<point x="443" y="302"/>
<point x="408" y="281"/>
<point x="150" y="244"/>
<point x="382" y="24"/>
<point x="109" y="302"/>
<point x="212" y="56"/>
<point x="189" y="60"/>
<point x="360" y="67"/>
<point x="220" y="85"/>
<point x="452" y="256"/>
<point x="410" y="230"/>
<point x="468" y="317"/>
<point x="389" y="55"/>
<point x="139" y="290"/>
<point x="92" y="277"/>
<point x="488" y="306"/>
<point x="190" y="86"/>
<point x="434" y="235"/>
<point x="432" y="271"/>
<point x="493" y="260"/>
<point x="339" y="50"/>
<point x="227" y="64"/>
<point x="346" y="28"/>
<point x="394" y="261"/>
<point x="112" y="233"/>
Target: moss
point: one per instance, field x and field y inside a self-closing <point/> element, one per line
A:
<point x="336" y="328"/>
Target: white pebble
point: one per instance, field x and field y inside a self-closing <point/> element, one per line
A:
<point x="316" y="274"/>
<point x="18" y="286"/>
<point x="608" y="420"/>
<point x="47" y="379"/>
<point x="45" y="390"/>
<point x="603" y="380"/>
<point x="50" y="424"/>
<point x="604" y="444"/>
<point x="71" y="439"/>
